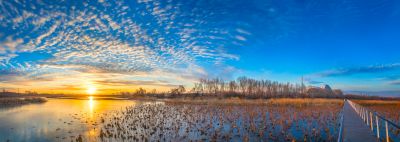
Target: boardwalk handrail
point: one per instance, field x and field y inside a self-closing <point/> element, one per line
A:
<point x="340" y="136"/>
<point x="390" y="122"/>
<point x="368" y="116"/>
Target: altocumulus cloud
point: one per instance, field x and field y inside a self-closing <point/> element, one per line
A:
<point x="126" y="37"/>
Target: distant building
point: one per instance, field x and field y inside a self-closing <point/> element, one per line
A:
<point x="328" y="89"/>
<point x="323" y="91"/>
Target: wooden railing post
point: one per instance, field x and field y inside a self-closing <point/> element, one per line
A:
<point x="387" y="131"/>
<point x="366" y="114"/>
<point x="362" y="113"/>
<point x="377" y="126"/>
<point x="371" y="122"/>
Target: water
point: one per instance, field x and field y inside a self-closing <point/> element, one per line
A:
<point x="57" y="119"/>
<point x="194" y="122"/>
<point x="102" y="119"/>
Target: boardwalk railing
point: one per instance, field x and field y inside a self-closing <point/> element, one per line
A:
<point x="374" y="120"/>
<point x="340" y="137"/>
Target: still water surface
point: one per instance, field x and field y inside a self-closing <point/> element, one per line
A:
<point x="57" y="119"/>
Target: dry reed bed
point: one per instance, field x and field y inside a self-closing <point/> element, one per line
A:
<point x="199" y="122"/>
<point x="237" y="101"/>
<point x="14" y="101"/>
<point x="388" y="109"/>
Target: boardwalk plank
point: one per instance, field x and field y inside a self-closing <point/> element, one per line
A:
<point x="354" y="129"/>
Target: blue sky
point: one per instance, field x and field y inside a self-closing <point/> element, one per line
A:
<point x="121" y="45"/>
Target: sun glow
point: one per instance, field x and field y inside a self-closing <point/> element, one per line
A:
<point x="91" y="90"/>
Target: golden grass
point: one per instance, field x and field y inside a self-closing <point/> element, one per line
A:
<point x="302" y="101"/>
<point x="11" y="101"/>
<point x="377" y="102"/>
<point x="237" y="101"/>
<point x="386" y="108"/>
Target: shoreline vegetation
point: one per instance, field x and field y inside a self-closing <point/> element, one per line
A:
<point x="16" y="101"/>
<point x="377" y="102"/>
<point x="389" y="109"/>
<point x="247" y="88"/>
<point x="207" y="91"/>
<point x="258" y="102"/>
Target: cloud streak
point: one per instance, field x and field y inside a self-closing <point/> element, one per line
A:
<point x="135" y="83"/>
<point x="396" y="82"/>
<point x="313" y="82"/>
<point x="360" y="70"/>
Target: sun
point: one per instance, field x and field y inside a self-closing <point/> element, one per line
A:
<point x="91" y="90"/>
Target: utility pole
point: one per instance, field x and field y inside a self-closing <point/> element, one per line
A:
<point x="302" y="85"/>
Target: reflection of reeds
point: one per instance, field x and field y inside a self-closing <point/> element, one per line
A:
<point x="188" y="122"/>
<point x="12" y="101"/>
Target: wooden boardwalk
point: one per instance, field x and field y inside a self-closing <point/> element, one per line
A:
<point x="354" y="129"/>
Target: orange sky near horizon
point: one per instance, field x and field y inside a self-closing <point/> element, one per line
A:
<point x="75" y="90"/>
<point x="103" y="83"/>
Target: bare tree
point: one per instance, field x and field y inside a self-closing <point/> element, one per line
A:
<point x="140" y="91"/>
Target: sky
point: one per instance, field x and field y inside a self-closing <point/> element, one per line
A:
<point x="64" y="46"/>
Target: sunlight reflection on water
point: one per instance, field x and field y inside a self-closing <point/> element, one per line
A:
<point x="91" y="105"/>
<point x="56" y="120"/>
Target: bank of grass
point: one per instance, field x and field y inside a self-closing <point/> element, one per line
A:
<point x="238" y="101"/>
<point x="15" y="101"/>
<point x="377" y="102"/>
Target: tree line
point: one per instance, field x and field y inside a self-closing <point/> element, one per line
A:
<point x="245" y="87"/>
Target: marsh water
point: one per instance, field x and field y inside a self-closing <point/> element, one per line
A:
<point x="57" y="119"/>
<point x="113" y="119"/>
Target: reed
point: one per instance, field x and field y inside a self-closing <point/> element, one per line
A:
<point x="14" y="101"/>
<point x="386" y="108"/>
<point x="377" y="102"/>
<point x="238" y="101"/>
<point x="213" y="120"/>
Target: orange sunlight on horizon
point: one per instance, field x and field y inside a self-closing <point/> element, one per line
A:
<point x="91" y="90"/>
<point x="83" y="88"/>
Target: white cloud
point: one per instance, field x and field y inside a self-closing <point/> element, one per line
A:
<point x="48" y="33"/>
<point x="242" y="31"/>
<point x="241" y="38"/>
<point x="167" y="42"/>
